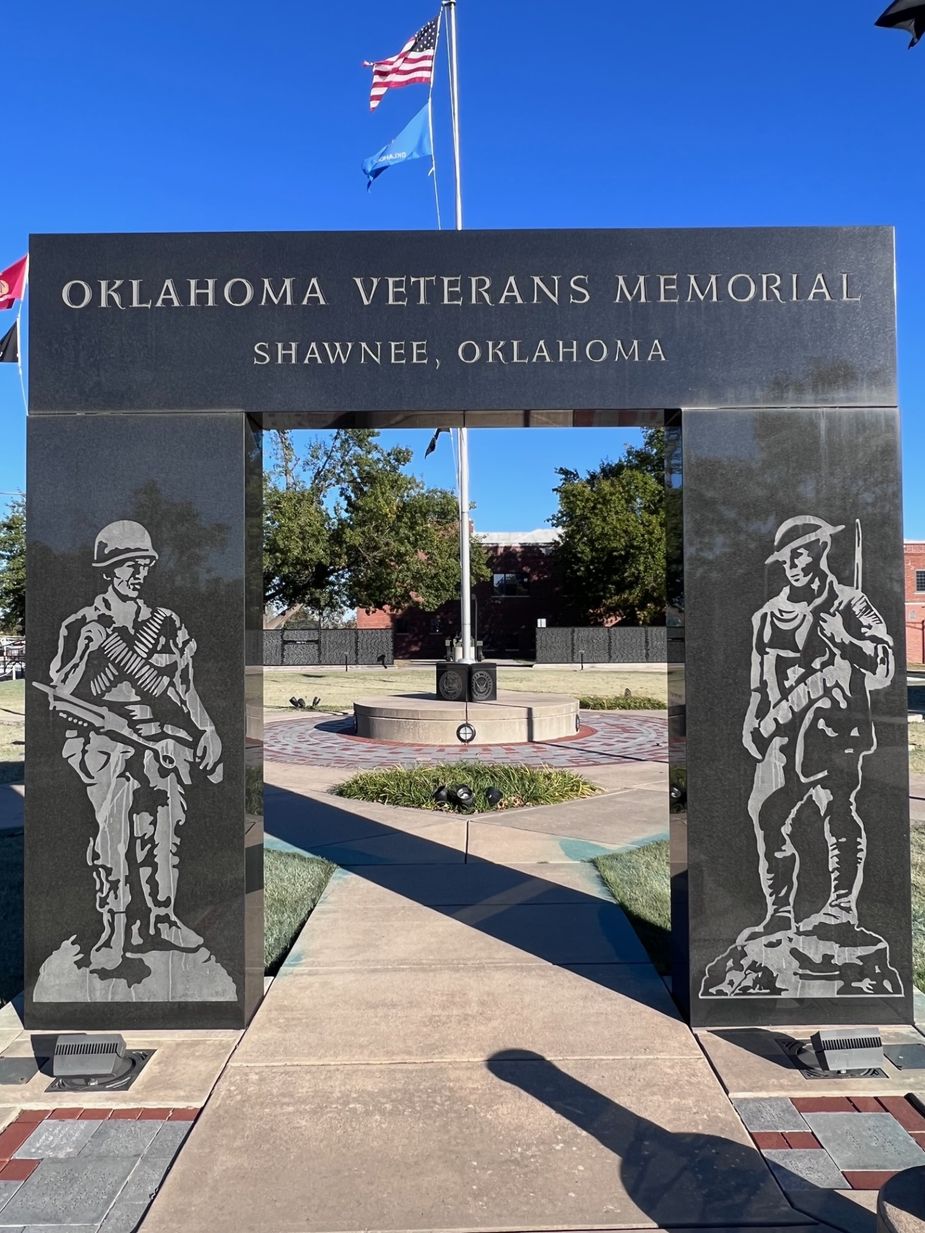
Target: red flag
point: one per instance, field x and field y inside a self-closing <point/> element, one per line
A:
<point x="13" y="282"/>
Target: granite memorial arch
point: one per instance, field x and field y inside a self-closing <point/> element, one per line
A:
<point x="768" y="355"/>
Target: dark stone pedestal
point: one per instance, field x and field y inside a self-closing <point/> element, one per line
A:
<point x="790" y="824"/>
<point x="144" y="827"/>
<point x="462" y="682"/>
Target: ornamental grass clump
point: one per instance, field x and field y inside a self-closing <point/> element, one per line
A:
<point x="622" y="702"/>
<point x="520" y="786"/>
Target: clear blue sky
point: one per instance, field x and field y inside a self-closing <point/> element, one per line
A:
<point x="123" y="116"/>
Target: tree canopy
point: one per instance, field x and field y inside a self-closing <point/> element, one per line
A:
<point x="13" y="567"/>
<point x="610" y="559"/>
<point x="347" y="526"/>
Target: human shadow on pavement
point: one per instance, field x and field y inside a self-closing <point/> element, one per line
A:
<point x="675" y="1178"/>
<point x="557" y="924"/>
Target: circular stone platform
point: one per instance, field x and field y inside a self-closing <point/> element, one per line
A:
<point x="606" y="738"/>
<point x="422" y="719"/>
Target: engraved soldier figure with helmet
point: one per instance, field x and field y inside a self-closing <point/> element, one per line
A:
<point x="137" y="730"/>
<point x="819" y="648"/>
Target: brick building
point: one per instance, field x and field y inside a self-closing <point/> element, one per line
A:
<point x="505" y="609"/>
<point x="914" y="554"/>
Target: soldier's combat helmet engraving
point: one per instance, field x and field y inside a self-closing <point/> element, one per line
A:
<point x="819" y="647"/>
<point x="136" y="732"/>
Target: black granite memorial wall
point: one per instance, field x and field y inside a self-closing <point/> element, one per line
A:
<point x="144" y="713"/>
<point x="791" y="854"/>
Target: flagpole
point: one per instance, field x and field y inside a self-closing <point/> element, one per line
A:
<point x="430" y="121"/>
<point x="465" y="571"/>
<point x="450" y="6"/>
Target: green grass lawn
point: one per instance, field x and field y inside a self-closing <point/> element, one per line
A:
<point x="12" y="732"/>
<point x="639" y="881"/>
<point x="12" y="697"/>
<point x="337" y="689"/>
<point x="917" y="748"/>
<point x="292" y="887"/>
<point x="414" y="787"/>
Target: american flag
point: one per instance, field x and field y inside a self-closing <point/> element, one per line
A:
<point x="414" y="63"/>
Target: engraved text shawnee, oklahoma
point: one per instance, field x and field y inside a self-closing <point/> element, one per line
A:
<point x="469" y="351"/>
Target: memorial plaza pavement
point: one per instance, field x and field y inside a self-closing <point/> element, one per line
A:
<point x="467" y="1035"/>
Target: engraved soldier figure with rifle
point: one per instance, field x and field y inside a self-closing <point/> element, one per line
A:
<point x="818" y="648"/>
<point x="137" y="731"/>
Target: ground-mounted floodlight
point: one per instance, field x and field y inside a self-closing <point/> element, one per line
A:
<point x="462" y="795"/>
<point x="840" y="1050"/>
<point x="494" y="796"/>
<point x="97" y="1063"/>
<point x="839" y="1053"/>
<point x="440" y="794"/>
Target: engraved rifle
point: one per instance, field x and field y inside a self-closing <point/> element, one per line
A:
<point x="803" y="694"/>
<point x="101" y="719"/>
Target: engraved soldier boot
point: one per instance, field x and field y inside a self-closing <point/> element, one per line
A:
<point x="109" y="951"/>
<point x="111" y="901"/>
<point x="176" y="933"/>
<point x="846" y="859"/>
<point x="847" y="844"/>
<point x="164" y="922"/>
<point x="779" y="890"/>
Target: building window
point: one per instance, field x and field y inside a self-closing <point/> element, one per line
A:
<point x="510" y="584"/>
<point x="920" y="581"/>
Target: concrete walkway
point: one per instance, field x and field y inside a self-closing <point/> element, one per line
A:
<point x="466" y="1036"/>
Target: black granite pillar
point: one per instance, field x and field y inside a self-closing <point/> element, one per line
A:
<point x="144" y="875"/>
<point x="790" y="832"/>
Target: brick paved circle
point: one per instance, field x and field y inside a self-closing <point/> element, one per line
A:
<point x="628" y="736"/>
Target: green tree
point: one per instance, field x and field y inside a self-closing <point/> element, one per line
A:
<point x="346" y="525"/>
<point x="610" y="559"/>
<point x="13" y="567"/>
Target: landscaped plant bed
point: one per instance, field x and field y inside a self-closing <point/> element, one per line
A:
<point x="520" y="786"/>
<point x="640" y="882"/>
<point x="623" y="702"/>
